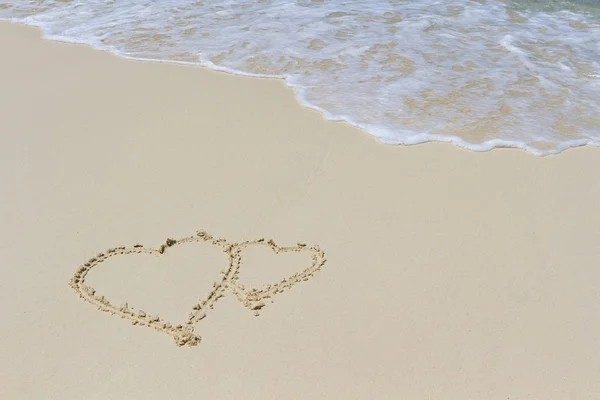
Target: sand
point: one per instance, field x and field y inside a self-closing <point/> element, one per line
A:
<point x="440" y="273"/>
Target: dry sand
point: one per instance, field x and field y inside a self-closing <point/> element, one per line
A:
<point x="449" y="274"/>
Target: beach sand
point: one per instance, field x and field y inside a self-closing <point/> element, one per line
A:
<point x="449" y="274"/>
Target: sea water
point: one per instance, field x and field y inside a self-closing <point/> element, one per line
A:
<point x="479" y="73"/>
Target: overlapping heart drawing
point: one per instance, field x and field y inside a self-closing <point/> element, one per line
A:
<point x="183" y="334"/>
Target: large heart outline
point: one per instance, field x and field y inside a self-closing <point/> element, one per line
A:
<point x="183" y="334"/>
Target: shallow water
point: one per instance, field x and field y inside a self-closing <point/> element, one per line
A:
<point x="478" y="73"/>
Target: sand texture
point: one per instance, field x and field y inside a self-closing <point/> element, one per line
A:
<point x="449" y="274"/>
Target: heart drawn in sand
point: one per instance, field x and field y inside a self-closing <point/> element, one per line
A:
<point x="256" y="298"/>
<point x="183" y="334"/>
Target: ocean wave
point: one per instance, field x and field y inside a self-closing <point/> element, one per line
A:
<point x="480" y="74"/>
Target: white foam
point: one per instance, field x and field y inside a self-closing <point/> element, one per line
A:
<point x="476" y="74"/>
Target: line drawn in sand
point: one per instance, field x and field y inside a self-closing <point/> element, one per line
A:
<point x="183" y="334"/>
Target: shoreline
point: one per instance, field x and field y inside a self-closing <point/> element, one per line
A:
<point x="421" y="138"/>
<point x="449" y="273"/>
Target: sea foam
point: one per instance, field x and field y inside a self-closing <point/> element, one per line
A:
<point x="481" y="74"/>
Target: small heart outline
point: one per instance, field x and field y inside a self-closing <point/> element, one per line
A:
<point x="254" y="299"/>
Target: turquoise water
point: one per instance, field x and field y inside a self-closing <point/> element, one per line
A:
<point x="579" y="6"/>
<point x="481" y="74"/>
